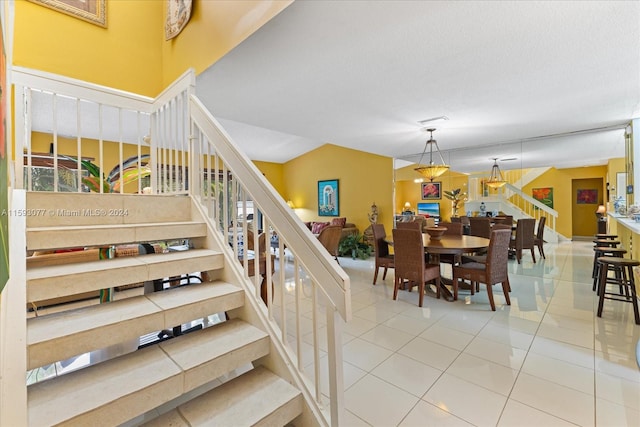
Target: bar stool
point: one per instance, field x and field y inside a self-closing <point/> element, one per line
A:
<point x="601" y="236"/>
<point x="601" y="251"/>
<point x="606" y="242"/>
<point x="624" y="279"/>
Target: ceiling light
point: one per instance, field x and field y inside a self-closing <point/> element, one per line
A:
<point x="496" y="180"/>
<point x="431" y="170"/>
<point x="433" y="119"/>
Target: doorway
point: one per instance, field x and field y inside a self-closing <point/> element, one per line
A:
<point x="587" y="194"/>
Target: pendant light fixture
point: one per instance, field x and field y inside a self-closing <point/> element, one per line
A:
<point x="496" y="180"/>
<point x="431" y="170"/>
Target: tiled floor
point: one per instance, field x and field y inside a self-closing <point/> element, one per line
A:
<point x="545" y="360"/>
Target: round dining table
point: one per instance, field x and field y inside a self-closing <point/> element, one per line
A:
<point x="448" y="244"/>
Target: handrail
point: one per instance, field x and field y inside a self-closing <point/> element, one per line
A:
<point x="334" y="281"/>
<point x="186" y="146"/>
<point x="532" y="201"/>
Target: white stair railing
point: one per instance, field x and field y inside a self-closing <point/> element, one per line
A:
<point x="178" y="147"/>
<point x="311" y="290"/>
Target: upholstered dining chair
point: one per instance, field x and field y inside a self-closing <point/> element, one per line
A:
<point x="330" y="239"/>
<point x="539" y="239"/>
<point x="384" y="259"/>
<point x="411" y="269"/>
<point x="492" y="271"/>
<point x="524" y="238"/>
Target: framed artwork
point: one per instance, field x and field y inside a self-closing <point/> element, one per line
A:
<point x="544" y="195"/>
<point x="587" y="197"/>
<point x="431" y="190"/>
<point x="328" y="198"/>
<point x="178" y="14"/>
<point x="94" y="11"/>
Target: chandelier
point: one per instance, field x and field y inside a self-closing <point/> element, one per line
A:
<point x="431" y="170"/>
<point x="496" y="180"/>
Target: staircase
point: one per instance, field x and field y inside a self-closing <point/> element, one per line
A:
<point x="174" y="382"/>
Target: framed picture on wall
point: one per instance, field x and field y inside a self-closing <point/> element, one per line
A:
<point x="328" y="198"/>
<point x="544" y="195"/>
<point x="94" y="11"/>
<point x="431" y="190"/>
<point x="587" y="197"/>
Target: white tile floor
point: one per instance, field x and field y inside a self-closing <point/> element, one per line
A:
<point x="545" y="360"/>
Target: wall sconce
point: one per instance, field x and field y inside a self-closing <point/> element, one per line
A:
<point x="290" y="204"/>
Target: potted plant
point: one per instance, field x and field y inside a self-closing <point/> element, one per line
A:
<point x="456" y="196"/>
<point x="133" y="169"/>
<point x="354" y="245"/>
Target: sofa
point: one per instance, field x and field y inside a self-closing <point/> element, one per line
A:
<point x="348" y="228"/>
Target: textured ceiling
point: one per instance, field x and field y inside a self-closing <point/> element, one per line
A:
<point x="510" y="76"/>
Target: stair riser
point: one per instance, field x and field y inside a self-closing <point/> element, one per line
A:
<point x="44" y="288"/>
<point x="55" y="239"/>
<point x="108" y="393"/>
<point x="118" y="390"/>
<point x="226" y="363"/>
<point x="101" y="337"/>
<point x="284" y="414"/>
<point x="56" y="209"/>
<point x="122" y="321"/>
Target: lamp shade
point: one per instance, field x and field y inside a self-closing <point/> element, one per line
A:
<point x="432" y="170"/>
<point x="495" y="179"/>
<point x="601" y="210"/>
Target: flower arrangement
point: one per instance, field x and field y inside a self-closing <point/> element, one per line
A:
<point x="456" y="196"/>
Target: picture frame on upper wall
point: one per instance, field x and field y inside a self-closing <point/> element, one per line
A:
<point x="328" y="198"/>
<point x="431" y="190"/>
<point x="93" y="11"/>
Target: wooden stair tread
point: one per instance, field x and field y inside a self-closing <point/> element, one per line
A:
<point x="122" y="388"/>
<point x="59" y="336"/>
<point x="59" y="280"/>
<point x="257" y="397"/>
<point x="67" y="236"/>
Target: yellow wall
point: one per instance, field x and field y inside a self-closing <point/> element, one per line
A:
<point x="274" y="172"/>
<point x="561" y="182"/>
<point x="126" y="55"/>
<point x="131" y="53"/>
<point x="214" y="29"/>
<point x="364" y="179"/>
<point x="407" y="190"/>
<point x="90" y="148"/>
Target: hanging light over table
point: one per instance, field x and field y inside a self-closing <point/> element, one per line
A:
<point x="431" y="170"/>
<point x="496" y="180"/>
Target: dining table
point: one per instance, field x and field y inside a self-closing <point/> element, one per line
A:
<point x="448" y="244"/>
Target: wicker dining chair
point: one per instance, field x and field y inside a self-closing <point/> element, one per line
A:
<point x="493" y="271"/>
<point x="480" y="226"/>
<point x="411" y="269"/>
<point x="413" y="225"/>
<point x="384" y="259"/>
<point x="539" y="239"/>
<point x="524" y="238"/>
<point x="453" y="229"/>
